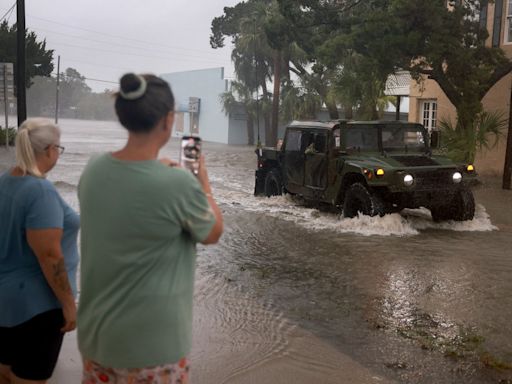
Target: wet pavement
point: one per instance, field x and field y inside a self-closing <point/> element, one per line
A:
<point x="292" y="294"/>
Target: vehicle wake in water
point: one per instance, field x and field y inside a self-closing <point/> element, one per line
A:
<point x="407" y="223"/>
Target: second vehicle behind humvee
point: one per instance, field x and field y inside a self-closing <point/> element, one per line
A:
<point x="372" y="168"/>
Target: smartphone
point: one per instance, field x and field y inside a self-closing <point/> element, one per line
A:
<point x="190" y="152"/>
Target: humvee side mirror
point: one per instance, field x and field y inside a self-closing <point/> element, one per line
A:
<point x="435" y="139"/>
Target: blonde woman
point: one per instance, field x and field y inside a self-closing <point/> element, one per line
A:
<point x="38" y="259"/>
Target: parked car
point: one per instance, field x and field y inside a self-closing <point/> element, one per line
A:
<point x="368" y="167"/>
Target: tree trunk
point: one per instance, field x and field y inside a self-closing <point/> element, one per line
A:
<point x="286" y="67"/>
<point x="266" y="119"/>
<point x="349" y="112"/>
<point x="333" y="110"/>
<point x="250" y="129"/>
<point x="375" y="112"/>
<point x="272" y="140"/>
<point x="507" y="168"/>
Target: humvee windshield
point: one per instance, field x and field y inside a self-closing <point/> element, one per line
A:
<point x="395" y="137"/>
<point x="401" y="136"/>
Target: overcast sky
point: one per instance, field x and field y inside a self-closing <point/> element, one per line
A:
<point x="104" y="39"/>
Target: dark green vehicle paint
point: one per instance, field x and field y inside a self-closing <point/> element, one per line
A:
<point x="323" y="162"/>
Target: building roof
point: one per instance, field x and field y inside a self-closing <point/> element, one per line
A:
<point x="398" y="84"/>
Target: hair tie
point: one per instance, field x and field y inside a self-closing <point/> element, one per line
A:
<point x="136" y="94"/>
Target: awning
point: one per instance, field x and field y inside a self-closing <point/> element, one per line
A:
<point x="398" y="84"/>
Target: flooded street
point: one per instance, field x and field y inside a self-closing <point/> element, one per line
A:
<point x="294" y="291"/>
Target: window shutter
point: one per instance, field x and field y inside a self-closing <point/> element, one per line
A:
<point x="484" y="5"/>
<point x="498" y="14"/>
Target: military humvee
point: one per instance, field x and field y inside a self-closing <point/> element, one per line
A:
<point x="372" y="167"/>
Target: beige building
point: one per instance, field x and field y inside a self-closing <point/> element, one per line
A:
<point x="428" y="103"/>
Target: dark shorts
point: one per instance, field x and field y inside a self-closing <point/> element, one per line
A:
<point x="31" y="349"/>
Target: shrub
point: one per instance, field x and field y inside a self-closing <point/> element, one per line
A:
<point x="11" y="132"/>
<point x="461" y="143"/>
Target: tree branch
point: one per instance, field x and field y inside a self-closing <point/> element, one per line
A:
<point x="496" y="76"/>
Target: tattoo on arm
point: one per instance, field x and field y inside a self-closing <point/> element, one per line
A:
<point x="60" y="276"/>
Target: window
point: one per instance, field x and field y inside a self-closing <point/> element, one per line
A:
<point x="363" y="137"/>
<point x="293" y="141"/>
<point x="400" y="136"/>
<point x="429" y="114"/>
<point x="320" y="143"/>
<point x="337" y="139"/>
<point x="508" y="32"/>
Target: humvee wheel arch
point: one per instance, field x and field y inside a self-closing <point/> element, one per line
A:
<point x="358" y="198"/>
<point x="460" y="208"/>
<point x="273" y="183"/>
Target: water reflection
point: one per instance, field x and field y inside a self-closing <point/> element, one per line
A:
<point x="403" y="297"/>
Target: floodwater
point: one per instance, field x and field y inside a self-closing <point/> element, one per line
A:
<point x="409" y="300"/>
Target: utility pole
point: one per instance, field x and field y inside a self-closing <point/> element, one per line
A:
<point x="398" y="100"/>
<point x="57" y="91"/>
<point x="6" y="105"/>
<point x="258" y="144"/>
<point x="507" y="169"/>
<point x="21" y="91"/>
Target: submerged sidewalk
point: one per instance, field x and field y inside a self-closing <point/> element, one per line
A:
<point x="290" y="367"/>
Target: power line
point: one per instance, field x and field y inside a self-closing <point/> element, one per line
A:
<point x="102" y="81"/>
<point x="116" y="36"/>
<point x="91" y="79"/>
<point x="97" y="64"/>
<point x="107" y="42"/>
<point x="135" y="54"/>
<point x="9" y="11"/>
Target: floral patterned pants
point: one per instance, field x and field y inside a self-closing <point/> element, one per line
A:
<point x="176" y="373"/>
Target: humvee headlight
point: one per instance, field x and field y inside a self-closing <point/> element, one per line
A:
<point x="470" y="168"/>
<point x="457" y="177"/>
<point x="408" y="180"/>
<point x="379" y="172"/>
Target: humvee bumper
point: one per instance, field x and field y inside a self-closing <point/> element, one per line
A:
<point x="442" y="181"/>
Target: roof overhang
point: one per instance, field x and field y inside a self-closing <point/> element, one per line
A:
<point x="398" y="84"/>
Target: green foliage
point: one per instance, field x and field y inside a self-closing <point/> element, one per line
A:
<point x="462" y="142"/>
<point x="75" y="98"/>
<point x="369" y="40"/>
<point x="11" y="132"/>
<point x="38" y="58"/>
<point x="299" y="103"/>
<point x="239" y="97"/>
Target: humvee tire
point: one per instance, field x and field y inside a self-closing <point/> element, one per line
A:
<point x="273" y="183"/>
<point x="359" y="199"/>
<point x="460" y="208"/>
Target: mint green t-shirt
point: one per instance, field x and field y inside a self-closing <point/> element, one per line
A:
<point x="140" y="222"/>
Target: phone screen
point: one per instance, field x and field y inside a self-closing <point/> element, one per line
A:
<point x="190" y="152"/>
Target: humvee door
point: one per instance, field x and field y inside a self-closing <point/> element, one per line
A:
<point x="315" y="169"/>
<point x="293" y="165"/>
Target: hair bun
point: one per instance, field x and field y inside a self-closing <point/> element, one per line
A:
<point x="132" y="86"/>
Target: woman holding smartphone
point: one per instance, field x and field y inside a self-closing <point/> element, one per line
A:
<point x="141" y="220"/>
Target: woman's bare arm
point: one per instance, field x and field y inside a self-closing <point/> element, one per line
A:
<point x="216" y="232"/>
<point x="46" y="245"/>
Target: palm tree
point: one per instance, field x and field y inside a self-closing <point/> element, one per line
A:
<point x="462" y="142"/>
<point x="240" y="96"/>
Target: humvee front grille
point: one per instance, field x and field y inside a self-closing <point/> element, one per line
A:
<point x="414" y="161"/>
<point x="434" y="179"/>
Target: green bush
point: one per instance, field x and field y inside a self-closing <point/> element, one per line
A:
<point x="462" y="143"/>
<point x="12" y="135"/>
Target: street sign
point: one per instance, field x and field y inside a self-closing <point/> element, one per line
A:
<point x="7" y="82"/>
<point x="193" y="104"/>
